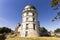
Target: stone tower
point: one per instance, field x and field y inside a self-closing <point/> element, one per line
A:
<point x="30" y="26"/>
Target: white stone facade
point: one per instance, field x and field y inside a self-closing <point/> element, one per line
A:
<point x="30" y="25"/>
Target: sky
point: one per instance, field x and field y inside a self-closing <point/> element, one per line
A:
<point x="11" y="13"/>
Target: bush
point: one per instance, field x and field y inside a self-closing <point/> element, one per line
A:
<point x="2" y="37"/>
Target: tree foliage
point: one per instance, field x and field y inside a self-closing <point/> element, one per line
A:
<point x="55" y="4"/>
<point x="5" y="30"/>
<point x="2" y="37"/>
<point x="57" y="30"/>
<point x="42" y="29"/>
<point x="44" y="32"/>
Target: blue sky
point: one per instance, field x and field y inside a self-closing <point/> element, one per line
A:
<point x="11" y="13"/>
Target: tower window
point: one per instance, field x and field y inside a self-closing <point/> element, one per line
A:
<point x="26" y="14"/>
<point x="34" y="26"/>
<point x="26" y="19"/>
<point x="26" y="26"/>
<point x="26" y="33"/>
<point x="33" y="19"/>
<point x="33" y="14"/>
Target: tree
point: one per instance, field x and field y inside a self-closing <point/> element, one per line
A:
<point x="5" y="30"/>
<point x="55" y="4"/>
<point x="57" y="30"/>
<point x="42" y="29"/>
<point x="2" y="37"/>
<point x="44" y="32"/>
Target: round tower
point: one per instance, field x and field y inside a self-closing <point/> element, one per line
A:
<point x="30" y="25"/>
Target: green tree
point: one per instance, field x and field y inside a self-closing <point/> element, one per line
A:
<point x="5" y="30"/>
<point x="57" y="30"/>
<point x="44" y="32"/>
<point x="42" y="29"/>
<point x="55" y="4"/>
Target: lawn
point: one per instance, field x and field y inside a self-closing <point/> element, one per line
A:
<point x="38" y="38"/>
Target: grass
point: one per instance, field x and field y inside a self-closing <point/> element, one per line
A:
<point x="38" y="38"/>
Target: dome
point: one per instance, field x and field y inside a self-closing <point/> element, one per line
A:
<point x="30" y="6"/>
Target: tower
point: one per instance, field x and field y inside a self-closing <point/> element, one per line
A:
<point x="30" y="25"/>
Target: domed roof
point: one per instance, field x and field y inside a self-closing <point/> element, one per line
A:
<point x="30" y="6"/>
